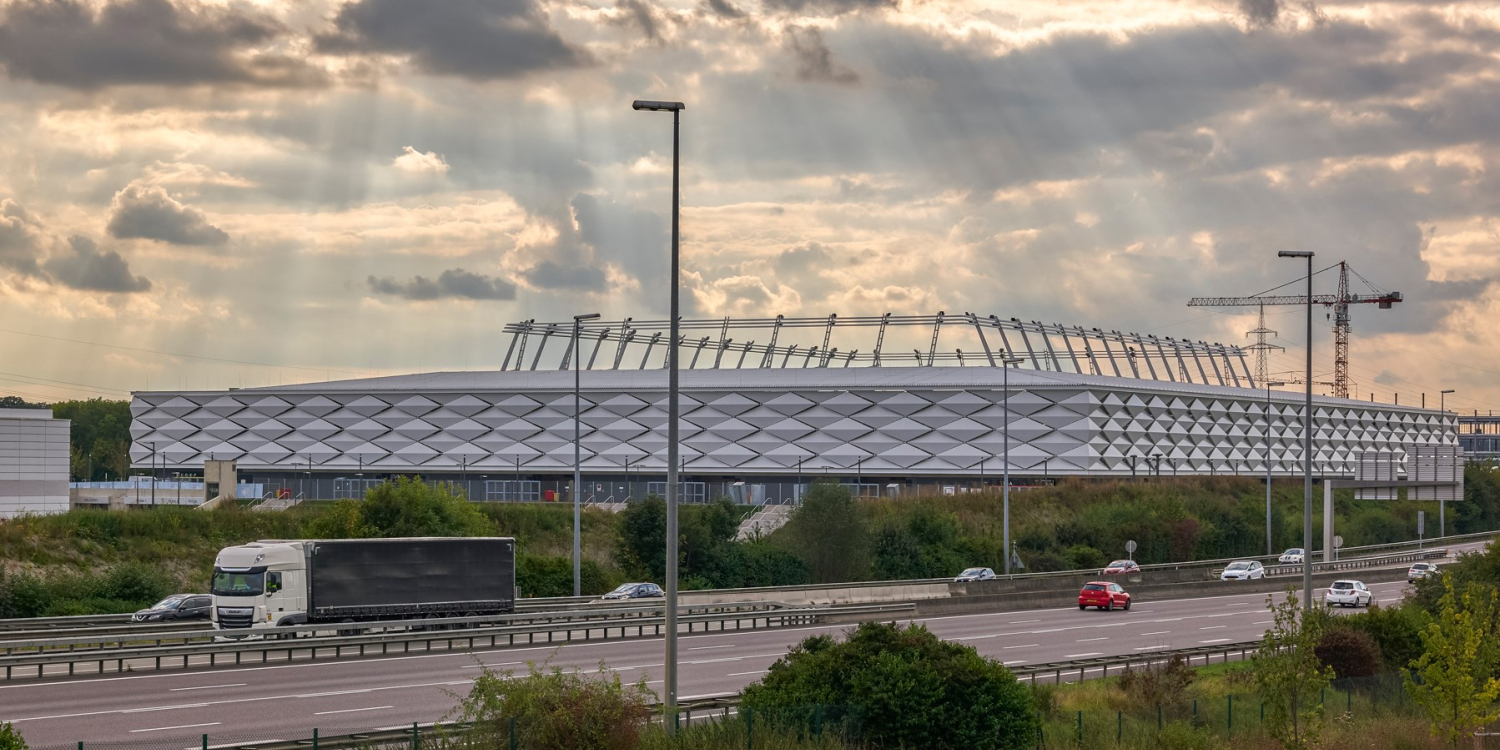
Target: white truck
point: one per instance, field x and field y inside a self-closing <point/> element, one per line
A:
<point x="276" y="583"/>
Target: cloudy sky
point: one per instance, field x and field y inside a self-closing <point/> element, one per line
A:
<point x="205" y="194"/>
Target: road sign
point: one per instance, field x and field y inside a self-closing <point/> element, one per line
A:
<point x="1130" y="547"/>
<point x="1338" y="542"/>
<point x="1421" y="522"/>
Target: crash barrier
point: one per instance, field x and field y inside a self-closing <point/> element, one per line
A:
<point x="361" y="639"/>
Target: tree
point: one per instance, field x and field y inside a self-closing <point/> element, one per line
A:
<point x="1288" y="674"/>
<point x="100" y="437"/>
<point x="643" y="537"/>
<point x="10" y="738"/>
<point x="553" y="709"/>
<point x="405" y="507"/>
<point x="829" y="532"/>
<point x="1349" y="653"/>
<point x="898" y="688"/>
<point x="1455" y="681"/>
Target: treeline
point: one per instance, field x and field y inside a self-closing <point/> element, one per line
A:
<point x="100" y="435"/>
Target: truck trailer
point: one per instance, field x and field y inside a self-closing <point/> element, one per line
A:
<point x="275" y="583"/>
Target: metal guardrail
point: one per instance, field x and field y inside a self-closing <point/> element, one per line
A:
<point x="472" y="633"/>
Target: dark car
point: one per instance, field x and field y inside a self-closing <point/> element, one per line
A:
<point x="635" y="591"/>
<point x="177" y="607"/>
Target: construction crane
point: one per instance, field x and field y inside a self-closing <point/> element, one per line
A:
<point x="1339" y="302"/>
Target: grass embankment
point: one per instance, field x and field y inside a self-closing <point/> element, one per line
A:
<point x="94" y="561"/>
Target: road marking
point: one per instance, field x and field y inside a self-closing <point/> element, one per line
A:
<point x="1017" y="661"/>
<point x="1087" y="640"/>
<point x="1028" y="645"/>
<point x="743" y="674"/>
<point x="1021" y="622"/>
<point x="240" y="744"/>
<point x="184" y="726"/>
<point x="162" y="708"/>
<point x="351" y="710"/>
<point x="1263" y="622"/>
<point x="1150" y="648"/>
<point x="1159" y="632"/>
<point x="491" y="666"/>
<point x="1080" y="656"/>
<point x="1214" y="627"/>
<point x="973" y="637"/>
<point x="1215" y="640"/>
<point x="335" y="692"/>
<point x="1238" y="604"/>
<point x="705" y="648"/>
<point x="206" y="687"/>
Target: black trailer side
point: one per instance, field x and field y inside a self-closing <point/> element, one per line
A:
<point x="381" y="578"/>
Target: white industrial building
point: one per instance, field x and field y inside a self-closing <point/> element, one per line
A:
<point x="1080" y="403"/>
<point x="34" y="456"/>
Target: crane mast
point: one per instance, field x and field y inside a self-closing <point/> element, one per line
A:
<point x="1341" y="322"/>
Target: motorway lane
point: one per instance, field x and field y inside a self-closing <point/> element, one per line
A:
<point x="285" y="701"/>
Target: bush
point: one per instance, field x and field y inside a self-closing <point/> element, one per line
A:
<point x="1180" y="736"/>
<point x="1083" y="557"/>
<point x="537" y="575"/>
<point x="22" y="595"/>
<point x="1396" y="631"/>
<point x="1157" y="683"/>
<point x="1350" y="653"/>
<point x="830" y="534"/>
<point x="10" y="738"/>
<point x="555" y="710"/>
<point x="404" y="508"/>
<point x="899" y="688"/>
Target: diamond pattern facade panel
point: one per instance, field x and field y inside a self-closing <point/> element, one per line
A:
<point x="908" y="422"/>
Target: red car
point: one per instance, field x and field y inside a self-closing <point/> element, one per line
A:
<point x="1104" y="595"/>
<point x="1122" y="566"/>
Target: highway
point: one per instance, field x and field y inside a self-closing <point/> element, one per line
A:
<point x="286" y="701"/>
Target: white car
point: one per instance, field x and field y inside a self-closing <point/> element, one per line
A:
<point x="1243" y="570"/>
<point x="1348" y="594"/>
<point x="1418" y="571"/>
<point x="975" y="574"/>
<point x="1293" y="556"/>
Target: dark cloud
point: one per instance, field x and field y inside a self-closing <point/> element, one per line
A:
<point x="20" y="235"/>
<point x="637" y="241"/>
<point x="549" y="275"/>
<point x="66" y="42"/>
<point x="641" y="15"/>
<point x="1260" y="13"/>
<point x="814" y="60"/>
<point x="724" y="9"/>
<point x="455" y="283"/>
<point x="478" y="39"/>
<point x="84" y="267"/>
<point x="148" y="212"/>
<point x="809" y="258"/>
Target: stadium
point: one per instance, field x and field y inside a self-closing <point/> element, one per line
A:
<point x="761" y="419"/>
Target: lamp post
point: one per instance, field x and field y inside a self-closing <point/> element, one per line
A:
<point x="1307" y="447"/>
<point x="153" y="474"/>
<point x="1269" y="549"/>
<point x="1006" y="364"/>
<point x="669" y="684"/>
<point x="1443" y="407"/>
<point x="578" y="454"/>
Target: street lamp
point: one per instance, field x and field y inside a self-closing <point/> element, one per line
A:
<point x="1269" y="549"/>
<point x="1307" y="448"/>
<point x="669" y="684"/>
<point x="153" y="474"/>
<point x="578" y="453"/>
<point x="1443" y="407"/>
<point x="1006" y="364"/>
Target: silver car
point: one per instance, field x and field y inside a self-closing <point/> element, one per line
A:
<point x="975" y="574"/>
<point x="1348" y="594"/>
<point x="1243" y="570"/>
<point x="1420" y="570"/>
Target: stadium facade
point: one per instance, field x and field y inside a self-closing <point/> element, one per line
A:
<point x="1082" y="405"/>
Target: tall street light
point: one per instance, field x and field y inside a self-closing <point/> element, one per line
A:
<point x="669" y="685"/>
<point x="578" y="454"/>
<point x="1007" y="362"/>
<point x="1443" y="407"/>
<point x="1269" y="549"/>
<point x="1307" y="447"/>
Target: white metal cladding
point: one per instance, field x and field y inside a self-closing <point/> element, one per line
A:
<point x="909" y="422"/>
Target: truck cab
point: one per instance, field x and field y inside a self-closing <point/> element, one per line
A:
<point x="260" y="585"/>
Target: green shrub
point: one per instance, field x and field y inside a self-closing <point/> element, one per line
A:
<point x="22" y="595"/>
<point x="10" y="738"/>
<point x="1351" y="653"/>
<point x="1396" y="631"/>
<point x="555" y="709"/>
<point x="899" y="688"/>
<point x="1082" y="557"/>
<point x="538" y="575"/>
<point x="1156" y="683"/>
<point x="1181" y="736"/>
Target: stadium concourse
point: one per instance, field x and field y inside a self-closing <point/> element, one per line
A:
<point x="1074" y="403"/>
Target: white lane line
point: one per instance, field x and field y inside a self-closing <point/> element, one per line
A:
<point x="1215" y="640"/>
<point x="1028" y="645"/>
<point x="705" y="648"/>
<point x="240" y="744"/>
<point x="206" y="687"/>
<point x="162" y="708"/>
<point x="1017" y="661"/>
<point x="1080" y="656"/>
<point x="1263" y="622"/>
<point x="1238" y="604"/>
<point x="973" y="637"/>
<point x="1021" y="622"/>
<point x="490" y="666"/>
<point x="1214" y="627"/>
<point x="1150" y="648"/>
<point x="351" y="710"/>
<point x="184" y="726"/>
<point x="335" y="692"/>
<point x="1087" y="640"/>
<point x="744" y="674"/>
<point x="1159" y="632"/>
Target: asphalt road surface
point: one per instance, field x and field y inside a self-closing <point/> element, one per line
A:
<point x="286" y="701"/>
